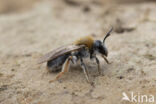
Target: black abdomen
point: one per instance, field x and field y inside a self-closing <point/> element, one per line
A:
<point x="56" y="64"/>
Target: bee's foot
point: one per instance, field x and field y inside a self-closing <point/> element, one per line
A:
<point x="101" y="74"/>
<point x="92" y="83"/>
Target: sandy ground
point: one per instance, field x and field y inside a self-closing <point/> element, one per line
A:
<point x="27" y="35"/>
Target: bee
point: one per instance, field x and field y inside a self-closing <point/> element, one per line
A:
<point x="60" y="59"/>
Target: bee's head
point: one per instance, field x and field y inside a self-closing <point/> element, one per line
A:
<point x="100" y="47"/>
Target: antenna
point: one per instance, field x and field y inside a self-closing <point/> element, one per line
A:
<point x="108" y="34"/>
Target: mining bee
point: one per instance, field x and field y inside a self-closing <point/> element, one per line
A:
<point x="80" y="49"/>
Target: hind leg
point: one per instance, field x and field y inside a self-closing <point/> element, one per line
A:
<point x="64" y="69"/>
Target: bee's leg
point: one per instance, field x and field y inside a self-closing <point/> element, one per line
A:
<point x="64" y="69"/>
<point x="98" y="63"/>
<point x="84" y="70"/>
<point x="106" y="59"/>
<point x="74" y="59"/>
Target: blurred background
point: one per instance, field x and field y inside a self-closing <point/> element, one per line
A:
<point x="9" y="6"/>
<point x="31" y="28"/>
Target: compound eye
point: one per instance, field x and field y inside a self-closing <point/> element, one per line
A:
<point x="101" y="48"/>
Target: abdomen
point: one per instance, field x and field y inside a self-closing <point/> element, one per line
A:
<point x="56" y="64"/>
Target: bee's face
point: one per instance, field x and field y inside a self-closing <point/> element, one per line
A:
<point x="100" y="47"/>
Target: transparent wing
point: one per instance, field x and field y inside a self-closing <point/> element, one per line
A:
<point x="59" y="51"/>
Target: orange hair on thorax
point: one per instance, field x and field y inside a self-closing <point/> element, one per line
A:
<point x="86" y="40"/>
